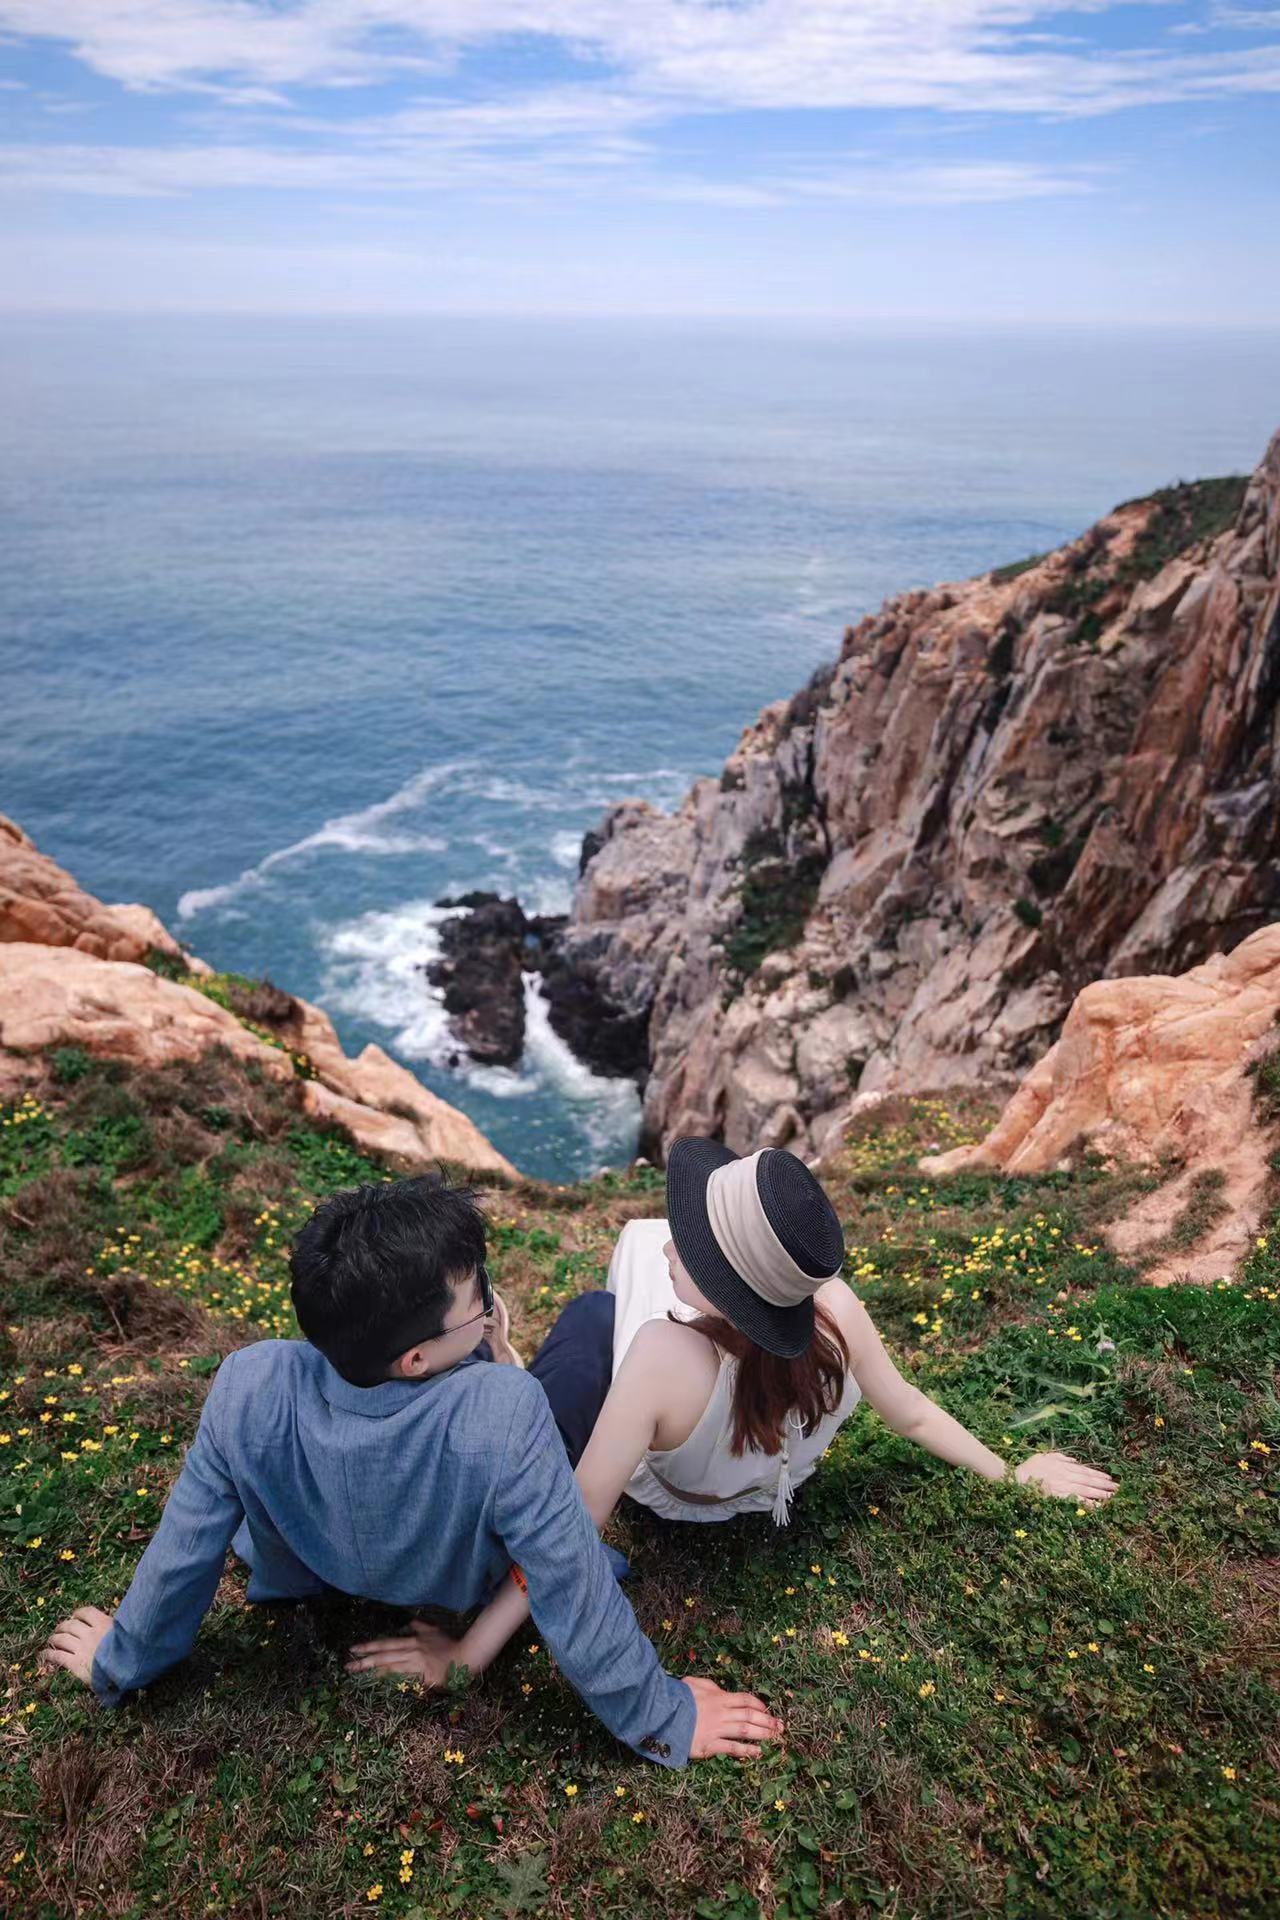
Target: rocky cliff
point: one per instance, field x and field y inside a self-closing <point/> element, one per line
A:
<point x="112" y="980"/>
<point x="1063" y="770"/>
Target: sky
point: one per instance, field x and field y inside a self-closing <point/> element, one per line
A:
<point x="945" y="161"/>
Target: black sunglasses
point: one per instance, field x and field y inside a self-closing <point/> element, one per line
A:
<point x="486" y="1307"/>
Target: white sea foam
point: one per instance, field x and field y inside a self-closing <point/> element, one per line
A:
<point x="375" y="970"/>
<point x="566" y="849"/>
<point x="360" y="832"/>
<point x="606" y="1110"/>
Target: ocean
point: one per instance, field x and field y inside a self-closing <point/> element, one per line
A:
<point x="306" y="623"/>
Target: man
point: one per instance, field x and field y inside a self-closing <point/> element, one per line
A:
<point x="380" y="1457"/>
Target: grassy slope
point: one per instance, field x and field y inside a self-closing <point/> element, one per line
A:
<point x="995" y="1705"/>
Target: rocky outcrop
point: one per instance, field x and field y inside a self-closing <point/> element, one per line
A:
<point x="1152" y="1069"/>
<point x="63" y="991"/>
<point x="39" y="901"/>
<point x="1061" y="771"/>
<point x="486" y="950"/>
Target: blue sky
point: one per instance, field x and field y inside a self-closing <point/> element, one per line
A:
<point x="941" y="160"/>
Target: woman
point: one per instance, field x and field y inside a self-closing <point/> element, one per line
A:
<point x="714" y="1372"/>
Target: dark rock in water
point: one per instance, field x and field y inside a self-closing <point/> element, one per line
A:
<point x="597" y="1031"/>
<point x="480" y="974"/>
<point x="484" y="956"/>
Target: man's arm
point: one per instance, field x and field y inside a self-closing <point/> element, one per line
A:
<point x="623" y="1432"/>
<point x="589" y="1627"/>
<point x="175" y="1581"/>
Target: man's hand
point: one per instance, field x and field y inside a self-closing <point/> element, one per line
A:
<point x="425" y="1653"/>
<point x="729" y="1722"/>
<point x="1066" y="1479"/>
<point x="73" y="1642"/>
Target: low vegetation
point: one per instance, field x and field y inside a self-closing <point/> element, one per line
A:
<point x="994" y="1704"/>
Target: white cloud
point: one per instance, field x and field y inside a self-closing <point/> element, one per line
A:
<point x="956" y="55"/>
<point x="402" y="166"/>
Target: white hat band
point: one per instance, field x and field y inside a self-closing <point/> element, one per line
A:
<point x="738" y="1220"/>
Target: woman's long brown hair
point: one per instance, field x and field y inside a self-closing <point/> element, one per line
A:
<point x="768" y="1387"/>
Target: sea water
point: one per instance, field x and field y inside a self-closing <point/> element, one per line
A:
<point x="307" y="623"/>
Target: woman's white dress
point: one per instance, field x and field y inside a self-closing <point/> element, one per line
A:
<point x="702" y="1479"/>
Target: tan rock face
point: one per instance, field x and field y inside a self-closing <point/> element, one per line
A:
<point x="70" y="975"/>
<point x="1150" y="1068"/>
<point x="1003" y="789"/>
<point x="40" y="902"/>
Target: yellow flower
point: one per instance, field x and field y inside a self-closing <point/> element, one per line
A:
<point x="368" y="1848"/>
<point x="779" y="1806"/>
<point x="1228" y="1773"/>
<point x="66" y="1554"/>
<point x="406" y="1875"/>
<point x="1159" y="1420"/>
<point x="1147" y="1667"/>
<point x="37" y="1542"/>
<point x="1019" y="1533"/>
<point x="926" y="1688"/>
<point x="375" y="1891"/>
<point x="667" y="1625"/>
<point x="841" y="1639"/>
<point x="570" y="1791"/>
<point x="688" y="1602"/>
<point x="815" y="1569"/>
<point x="791" y="1632"/>
<point x="406" y="1858"/>
<point x="619" y="1793"/>
<point x="1093" y="1646"/>
<point x="637" y="1819"/>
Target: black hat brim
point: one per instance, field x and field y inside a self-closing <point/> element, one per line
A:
<point x="786" y="1331"/>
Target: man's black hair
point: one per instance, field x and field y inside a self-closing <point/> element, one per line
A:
<point x="374" y="1270"/>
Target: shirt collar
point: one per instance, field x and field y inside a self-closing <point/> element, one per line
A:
<point x="390" y="1396"/>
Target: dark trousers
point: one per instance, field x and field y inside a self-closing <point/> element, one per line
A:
<point x="574" y="1366"/>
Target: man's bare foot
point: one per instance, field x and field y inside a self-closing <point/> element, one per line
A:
<point x="498" y="1333"/>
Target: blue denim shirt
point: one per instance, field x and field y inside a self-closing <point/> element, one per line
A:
<point x="414" y="1493"/>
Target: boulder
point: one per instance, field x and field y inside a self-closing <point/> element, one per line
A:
<point x="1151" y="1069"/>
<point x="40" y="903"/>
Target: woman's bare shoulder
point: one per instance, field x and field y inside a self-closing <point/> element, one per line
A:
<point x="669" y="1343"/>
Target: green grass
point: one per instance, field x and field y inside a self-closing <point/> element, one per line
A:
<point x="995" y="1704"/>
<point x="776" y="893"/>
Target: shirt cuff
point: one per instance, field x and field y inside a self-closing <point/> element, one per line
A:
<point x="109" y="1694"/>
<point x="673" y="1749"/>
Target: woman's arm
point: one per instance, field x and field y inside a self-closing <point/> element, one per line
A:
<point x="913" y="1414"/>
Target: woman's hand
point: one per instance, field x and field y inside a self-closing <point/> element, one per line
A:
<point x="1065" y="1479"/>
<point x="425" y="1653"/>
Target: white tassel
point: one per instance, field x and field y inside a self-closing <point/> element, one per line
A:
<point x="784" y="1492"/>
